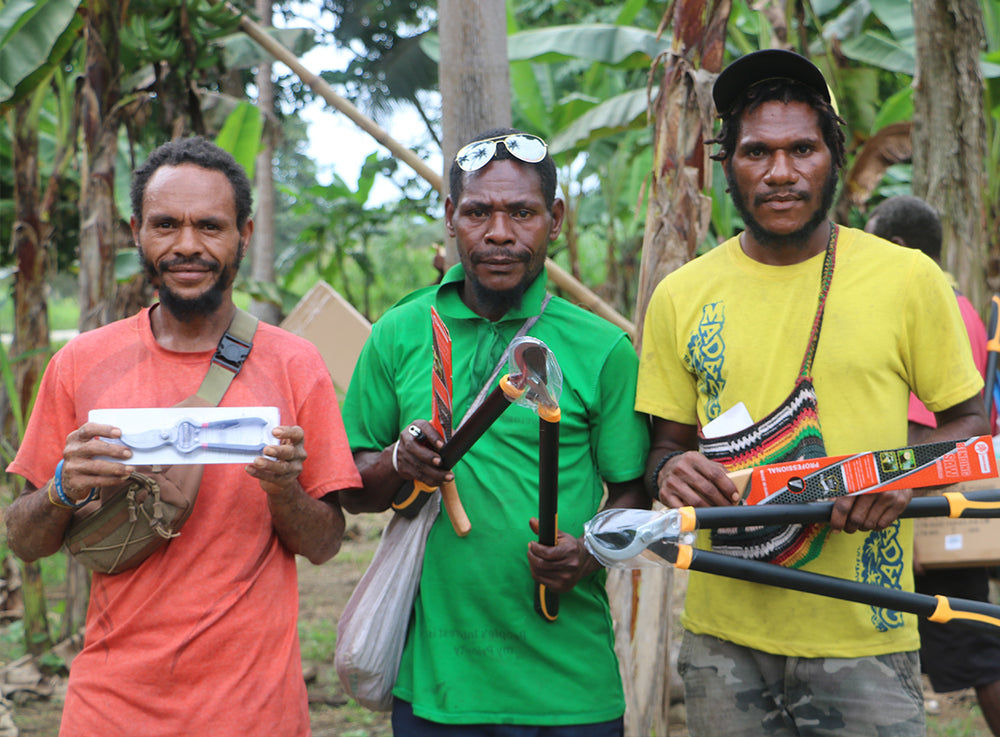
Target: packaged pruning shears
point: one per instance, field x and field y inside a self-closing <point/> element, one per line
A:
<point x="190" y="435"/>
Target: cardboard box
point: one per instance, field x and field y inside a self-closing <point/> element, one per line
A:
<point x="331" y="323"/>
<point x="942" y="542"/>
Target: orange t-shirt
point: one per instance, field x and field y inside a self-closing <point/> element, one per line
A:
<point x="201" y="638"/>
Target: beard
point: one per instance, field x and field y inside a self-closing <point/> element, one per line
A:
<point x="500" y="301"/>
<point x="186" y="309"/>
<point x="494" y="300"/>
<point x="796" y="239"/>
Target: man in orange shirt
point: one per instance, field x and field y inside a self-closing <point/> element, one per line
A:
<point x="201" y="637"/>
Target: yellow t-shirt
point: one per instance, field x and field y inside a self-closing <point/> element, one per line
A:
<point x="725" y="329"/>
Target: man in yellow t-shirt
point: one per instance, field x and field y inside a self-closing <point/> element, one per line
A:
<point x="743" y="324"/>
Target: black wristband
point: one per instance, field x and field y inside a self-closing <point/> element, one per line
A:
<point x="659" y="467"/>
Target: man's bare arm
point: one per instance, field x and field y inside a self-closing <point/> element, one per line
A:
<point x="307" y="526"/>
<point x="37" y="519"/>
<point x="414" y="459"/>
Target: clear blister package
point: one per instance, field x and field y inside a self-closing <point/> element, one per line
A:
<point x="191" y="435"/>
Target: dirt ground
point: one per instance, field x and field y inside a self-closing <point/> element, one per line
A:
<point x="324" y="591"/>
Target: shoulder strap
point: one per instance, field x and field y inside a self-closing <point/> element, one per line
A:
<point x="829" y="260"/>
<point x="233" y="349"/>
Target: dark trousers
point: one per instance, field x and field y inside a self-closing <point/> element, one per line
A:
<point x="405" y="724"/>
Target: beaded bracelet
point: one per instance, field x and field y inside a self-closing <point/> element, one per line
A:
<point x="66" y="501"/>
<point x="659" y="467"/>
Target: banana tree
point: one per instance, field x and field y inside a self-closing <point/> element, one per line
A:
<point x="33" y="38"/>
<point x="948" y="126"/>
<point x="63" y="74"/>
<point x="584" y="88"/>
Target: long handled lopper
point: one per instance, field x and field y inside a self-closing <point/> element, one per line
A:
<point x="522" y="385"/>
<point x="631" y="538"/>
<point x="542" y="393"/>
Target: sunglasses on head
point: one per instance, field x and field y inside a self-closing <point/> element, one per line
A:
<point x="523" y="146"/>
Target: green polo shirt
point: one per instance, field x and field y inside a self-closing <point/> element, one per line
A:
<point x="476" y="651"/>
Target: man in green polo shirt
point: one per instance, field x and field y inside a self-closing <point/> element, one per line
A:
<point x="477" y="653"/>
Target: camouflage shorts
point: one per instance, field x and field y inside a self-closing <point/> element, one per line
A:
<point x="733" y="691"/>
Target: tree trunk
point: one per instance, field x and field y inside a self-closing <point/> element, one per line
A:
<point x="262" y="243"/>
<point x="677" y="220"/>
<point x="565" y="281"/>
<point x="474" y="76"/>
<point x="678" y="214"/>
<point x="98" y="97"/>
<point x="949" y="137"/>
<point x="31" y="330"/>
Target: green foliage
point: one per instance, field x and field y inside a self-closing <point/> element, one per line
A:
<point x="12" y="635"/>
<point x="968" y="725"/>
<point x="12" y="641"/>
<point x="168" y="31"/>
<point x="389" y="64"/>
<point x="34" y="36"/>
<point x="19" y="413"/>
<point x="618" y="46"/>
<point x="370" y="254"/>
<point x="240" y="135"/>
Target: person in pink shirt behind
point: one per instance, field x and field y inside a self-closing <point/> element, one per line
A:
<point x="954" y="657"/>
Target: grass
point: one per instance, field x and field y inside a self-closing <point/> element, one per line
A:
<point x="355" y="557"/>
<point x="967" y="726"/>
<point x="318" y="639"/>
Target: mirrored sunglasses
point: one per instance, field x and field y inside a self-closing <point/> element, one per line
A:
<point x="523" y="146"/>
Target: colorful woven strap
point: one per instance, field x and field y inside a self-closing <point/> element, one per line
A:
<point x="824" y="287"/>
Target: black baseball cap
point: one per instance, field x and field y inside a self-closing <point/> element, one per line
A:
<point x="760" y="66"/>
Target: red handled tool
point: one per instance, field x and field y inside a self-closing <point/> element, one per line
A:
<point x="414" y="494"/>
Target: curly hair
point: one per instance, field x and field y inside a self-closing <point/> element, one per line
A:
<point x="194" y="150"/>
<point x="786" y="91"/>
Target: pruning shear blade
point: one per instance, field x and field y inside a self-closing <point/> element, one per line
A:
<point x="534" y="369"/>
<point x="619" y="537"/>
<point x="186" y="436"/>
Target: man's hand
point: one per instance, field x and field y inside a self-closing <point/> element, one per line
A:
<point x="561" y="566"/>
<point x="869" y="512"/>
<point x="417" y="455"/>
<point x="691" y="480"/>
<point x="279" y="466"/>
<point x="82" y="470"/>
<point x="687" y="479"/>
<point x="310" y="527"/>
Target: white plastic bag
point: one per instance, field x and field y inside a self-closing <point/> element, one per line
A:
<point x="372" y="629"/>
